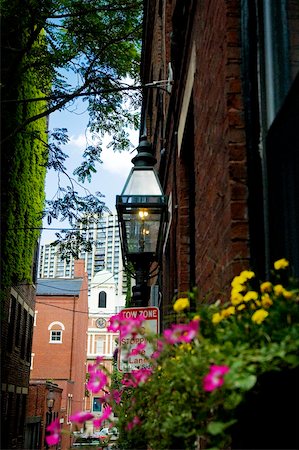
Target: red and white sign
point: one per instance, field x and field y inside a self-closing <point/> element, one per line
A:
<point x="127" y="344"/>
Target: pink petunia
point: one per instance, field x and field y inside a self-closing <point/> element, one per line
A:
<point x="133" y="423"/>
<point x="81" y="417"/>
<point x="54" y="430"/>
<point x="106" y="414"/>
<point x="130" y="326"/>
<point x="125" y="326"/>
<point x="128" y="381"/>
<point x="138" y="349"/>
<point x="181" y="332"/>
<point x="136" y="377"/>
<point x="116" y="394"/>
<point x="142" y="375"/>
<point x="215" y="378"/>
<point x="97" y="381"/>
<point x="159" y="349"/>
<point x="114" y="323"/>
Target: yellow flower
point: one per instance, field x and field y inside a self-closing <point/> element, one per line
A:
<point x="186" y="346"/>
<point x="238" y="288"/>
<point x="258" y="303"/>
<point x="197" y="317"/>
<point x="281" y="264"/>
<point x="259" y="316"/>
<point x="266" y="301"/>
<point x="228" y="311"/>
<point x="266" y="287"/>
<point x="236" y="298"/>
<point x="238" y="281"/>
<point x="287" y="294"/>
<point x="278" y="289"/>
<point x="240" y="307"/>
<point x="181" y="304"/>
<point x="248" y="274"/>
<point x="216" y="318"/>
<point x="251" y="295"/>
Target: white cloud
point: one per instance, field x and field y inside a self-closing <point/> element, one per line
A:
<point x="117" y="163"/>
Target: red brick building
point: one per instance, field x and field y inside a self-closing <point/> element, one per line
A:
<point x="16" y="338"/>
<point x="60" y="340"/>
<point x="224" y="128"/>
<point x="43" y="406"/>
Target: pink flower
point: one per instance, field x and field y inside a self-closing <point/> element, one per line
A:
<point x="107" y="412"/>
<point x="181" y="332"/>
<point x="130" y="326"/>
<point x="91" y="368"/>
<point x="137" y="377"/>
<point x="114" y="323"/>
<point x="117" y="396"/>
<point x="97" y="381"/>
<point x="214" y="379"/>
<point x="138" y="349"/>
<point x="142" y="375"/>
<point x="81" y="416"/>
<point x="128" y="381"/>
<point x="54" y="430"/>
<point x="133" y="423"/>
<point x="159" y="349"/>
<point x="125" y="326"/>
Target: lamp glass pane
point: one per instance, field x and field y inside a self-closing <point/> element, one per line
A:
<point x="142" y="232"/>
<point x="142" y="182"/>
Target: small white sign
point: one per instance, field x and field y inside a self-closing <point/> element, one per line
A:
<point x="127" y="344"/>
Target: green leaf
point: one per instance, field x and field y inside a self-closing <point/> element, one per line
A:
<point x="246" y="383"/>
<point x="215" y="428"/>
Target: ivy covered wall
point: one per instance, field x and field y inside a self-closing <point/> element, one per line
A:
<point x="23" y="167"/>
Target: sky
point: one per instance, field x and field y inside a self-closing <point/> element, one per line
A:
<point x="111" y="174"/>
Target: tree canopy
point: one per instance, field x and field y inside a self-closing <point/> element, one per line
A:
<point x="72" y="49"/>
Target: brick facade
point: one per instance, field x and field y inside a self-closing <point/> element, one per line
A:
<point x="16" y="341"/>
<point x="64" y="361"/>
<point x="207" y="136"/>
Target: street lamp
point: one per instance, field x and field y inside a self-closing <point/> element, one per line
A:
<point x="50" y="404"/>
<point x="50" y="400"/>
<point x="142" y="214"/>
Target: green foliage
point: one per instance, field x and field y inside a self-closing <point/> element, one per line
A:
<point x="174" y="405"/>
<point x="24" y="159"/>
<point x="89" y="48"/>
<point x="54" y="52"/>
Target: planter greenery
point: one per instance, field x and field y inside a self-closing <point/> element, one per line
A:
<point x="215" y="377"/>
<point x="199" y="380"/>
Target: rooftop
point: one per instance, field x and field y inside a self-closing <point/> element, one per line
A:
<point x="59" y="286"/>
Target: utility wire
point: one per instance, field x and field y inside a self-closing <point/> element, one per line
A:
<point x="69" y="279"/>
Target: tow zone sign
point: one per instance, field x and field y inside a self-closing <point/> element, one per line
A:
<point x="150" y="326"/>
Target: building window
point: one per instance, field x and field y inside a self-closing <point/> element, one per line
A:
<point x="100" y="346"/>
<point x="96" y="404"/>
<point x="69" y="407"/>
<point x="56" y="329"/>
<point x="56" y="336"/>
<point x="102" y="299"/>
<point x="11" y="322"/>
<point x="32" y="359"/>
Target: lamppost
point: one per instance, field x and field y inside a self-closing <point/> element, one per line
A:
<point x="50" y="405"/>
<point x="142" y="215"/>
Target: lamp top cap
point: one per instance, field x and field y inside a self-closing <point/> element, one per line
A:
<point x="145" y="156"/>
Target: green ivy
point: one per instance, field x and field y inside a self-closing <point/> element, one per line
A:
<point x="24" y="159"/>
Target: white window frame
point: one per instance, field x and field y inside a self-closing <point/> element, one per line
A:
<point x="58" y="337"/>
<point x="62" y="328"/>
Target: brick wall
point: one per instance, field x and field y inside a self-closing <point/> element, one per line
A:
<point x="210" y="230"/>
<point x="16" y="337"/>
<point x="64" y="363"/>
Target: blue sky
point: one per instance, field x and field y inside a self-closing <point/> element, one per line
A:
<point x="111" y="174"/>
